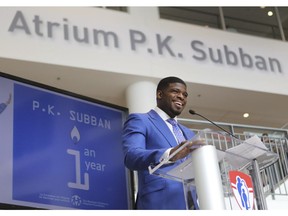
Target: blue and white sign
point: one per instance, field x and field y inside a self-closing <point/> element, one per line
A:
<point x="242" y="188"/>
<point x="66" y="151"/>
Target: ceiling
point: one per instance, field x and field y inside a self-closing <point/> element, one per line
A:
<point x="218" y="104"/>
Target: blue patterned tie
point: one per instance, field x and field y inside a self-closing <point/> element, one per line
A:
<point x="177" y="131"/>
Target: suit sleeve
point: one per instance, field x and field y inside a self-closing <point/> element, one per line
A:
<point x="140" y="150"/>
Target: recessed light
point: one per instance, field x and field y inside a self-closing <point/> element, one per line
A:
<point x="246" y="115"/>
<point x="270" y="13"/>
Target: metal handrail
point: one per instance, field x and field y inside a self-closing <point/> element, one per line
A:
<point x="273" y="176"/>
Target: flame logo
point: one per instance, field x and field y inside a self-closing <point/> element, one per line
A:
<point x="75" y="135"/>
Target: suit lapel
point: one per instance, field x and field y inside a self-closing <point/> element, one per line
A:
<point x="162" y="127"/>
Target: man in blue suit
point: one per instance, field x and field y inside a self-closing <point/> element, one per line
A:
<point x="148" y="138"/>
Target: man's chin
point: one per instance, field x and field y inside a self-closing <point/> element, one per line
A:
<point x="177" y="112"/>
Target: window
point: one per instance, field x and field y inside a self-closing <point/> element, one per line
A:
<point x="252" y="21"/>
<point x="247" y="20"/>
<point x="204" y="16"/>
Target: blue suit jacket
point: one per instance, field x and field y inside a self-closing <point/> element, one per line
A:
<point x="146" y="137"/>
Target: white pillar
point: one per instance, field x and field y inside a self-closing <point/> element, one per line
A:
<point x="141" y="97"/>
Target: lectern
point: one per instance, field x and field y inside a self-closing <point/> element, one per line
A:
<point x="206" y="168"/>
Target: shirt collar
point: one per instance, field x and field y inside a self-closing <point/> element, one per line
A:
<point x="162" y="114"/>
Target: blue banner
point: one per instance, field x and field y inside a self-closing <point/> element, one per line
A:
<point x="67" y="151"/>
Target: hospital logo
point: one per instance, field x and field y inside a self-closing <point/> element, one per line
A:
<point x="76" y="200"/>
<point x="242" y="188"/>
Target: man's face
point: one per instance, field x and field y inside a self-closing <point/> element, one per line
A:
<point x="173" y="99"/>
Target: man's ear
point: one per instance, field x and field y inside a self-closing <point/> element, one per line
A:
<point x="159" y="94"/>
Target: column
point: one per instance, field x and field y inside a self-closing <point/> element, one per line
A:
<point x="141" y="96"/>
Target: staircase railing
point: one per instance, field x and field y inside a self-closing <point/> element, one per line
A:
<point x="274" y="176"/>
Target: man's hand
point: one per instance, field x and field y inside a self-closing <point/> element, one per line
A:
<point x="190" y="146"/>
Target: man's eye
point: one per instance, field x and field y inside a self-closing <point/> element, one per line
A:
<point x="176" y="91"/>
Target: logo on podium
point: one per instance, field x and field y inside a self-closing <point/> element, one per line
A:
<point x="242" y="188"/>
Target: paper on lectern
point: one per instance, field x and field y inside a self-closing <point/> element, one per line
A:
<point x="242" y="154"/>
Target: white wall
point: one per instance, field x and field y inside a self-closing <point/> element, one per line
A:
<point x="171" y="55"/>
<point x="280" y="201"/>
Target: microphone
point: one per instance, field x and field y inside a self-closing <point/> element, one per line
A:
<point x="192" y="112"/>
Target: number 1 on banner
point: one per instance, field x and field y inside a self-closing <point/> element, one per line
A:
<point x="78" y="184"/>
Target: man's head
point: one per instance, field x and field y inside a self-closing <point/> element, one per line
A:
<point x="172" y="95"/>
<point x="265" y="137"/>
